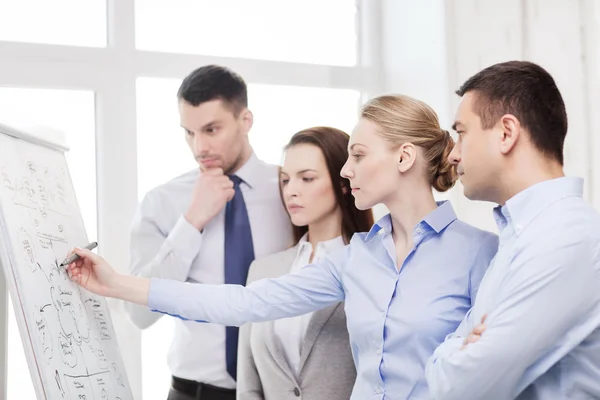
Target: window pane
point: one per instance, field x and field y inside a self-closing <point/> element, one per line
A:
<point x="303" y="31"/>
<point x="279" y="112"/>
<point x="71" y="112"/>
<point x="162" y="152"/>
<point x="66" y="22"/>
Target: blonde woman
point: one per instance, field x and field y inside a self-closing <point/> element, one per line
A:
<point x="406" y="284"/>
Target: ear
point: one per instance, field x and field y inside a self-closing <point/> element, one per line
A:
<point x="511" y="132"/>
<point x="247" y="119"/>
<point x="407" y="154"/>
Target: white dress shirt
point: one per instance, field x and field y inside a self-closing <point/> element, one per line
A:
<point x="165" y="245"/>
<point x="291" y="331"/>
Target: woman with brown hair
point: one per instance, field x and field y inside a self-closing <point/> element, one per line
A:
<point x="308" y="354"/>
<point x="406" y="284"/>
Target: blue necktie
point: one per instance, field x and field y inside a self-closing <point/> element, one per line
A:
<point x="239" y="254"/>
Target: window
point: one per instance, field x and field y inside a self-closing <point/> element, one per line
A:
<point x="162" y="151"/>
<point x="66" y="22"/>
<point x="71" y="112"/>
<point x="279" y="112"/>
<point x="303" y="31"/>
<point x="311" y="46"/>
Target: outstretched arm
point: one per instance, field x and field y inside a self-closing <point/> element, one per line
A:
<point x="314" y="287"/>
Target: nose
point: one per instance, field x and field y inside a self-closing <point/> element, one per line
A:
<point x="290" y="190"/>
<point x="200" y="144"/>
<point x="454" y="156"/>
<point x="346" y="171"/>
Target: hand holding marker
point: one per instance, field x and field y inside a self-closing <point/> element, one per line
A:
<point x="74" y="257"/>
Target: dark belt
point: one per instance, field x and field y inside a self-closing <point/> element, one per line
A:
<point x="197" y="389"/>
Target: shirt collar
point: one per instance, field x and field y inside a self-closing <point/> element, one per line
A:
<point x="250" y="171"/>
<point x="436" y="220"/>
<point x="523" y="207"/>
<point x="328" y="245"/>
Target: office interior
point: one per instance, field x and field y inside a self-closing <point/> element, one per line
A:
<point x="105" y="73"/>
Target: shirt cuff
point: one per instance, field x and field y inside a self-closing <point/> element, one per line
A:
<point x="185" y="239"/>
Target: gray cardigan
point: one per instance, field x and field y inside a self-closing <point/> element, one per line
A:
<point x="326" y="369"/>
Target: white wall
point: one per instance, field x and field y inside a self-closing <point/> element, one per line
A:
<point x="430" y="49"/>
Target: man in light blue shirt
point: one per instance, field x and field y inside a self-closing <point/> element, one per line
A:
<point x="534" y="331"/>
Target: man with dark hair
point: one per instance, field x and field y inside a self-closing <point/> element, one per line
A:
<point x="526" y="91"/>
<point x="534" y="329"/>
<point x="208" y="225"/>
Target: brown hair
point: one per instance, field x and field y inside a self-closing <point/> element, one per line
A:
<point x="333" y="143"/>
<point x="214" y="82"/>
<point x="405" y="119"/>
<point x="528" y="92"/>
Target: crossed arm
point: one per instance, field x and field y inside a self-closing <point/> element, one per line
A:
<point x="544" y="310"/>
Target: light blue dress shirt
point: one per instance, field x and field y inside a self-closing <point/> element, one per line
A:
<point x="396" y="317"/>
<point x="542" y="299"/>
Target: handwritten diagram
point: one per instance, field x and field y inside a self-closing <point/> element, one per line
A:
<point x="70" y="330"/>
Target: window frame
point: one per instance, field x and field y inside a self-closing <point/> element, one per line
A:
<point x="111" y="72"/>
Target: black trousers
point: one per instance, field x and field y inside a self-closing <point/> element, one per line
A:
<point x="183" y="389"/>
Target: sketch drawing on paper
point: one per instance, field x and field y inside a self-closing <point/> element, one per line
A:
<point x="69" y="329"/>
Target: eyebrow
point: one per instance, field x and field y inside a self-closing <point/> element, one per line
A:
<point x="356" y="144"/>
<point x="299" y="172"/>
<point x="205" y="126"/>
<point x="456" y="124"/>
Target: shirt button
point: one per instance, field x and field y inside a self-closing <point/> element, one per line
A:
<point x="378" y="390"/>
<point x="296" y="392"/>
<point x="378" y="351"/>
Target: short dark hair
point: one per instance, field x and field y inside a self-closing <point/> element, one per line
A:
<point x="528" y="92"/>
<point x="333" y="143"/>
<point x="214" y="82"/>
